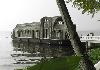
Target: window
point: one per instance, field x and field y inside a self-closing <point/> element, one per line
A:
<point x="59" y="34"/>
<point x="60" y="22"/>
<point x="33" y="33"/>
<point x="27" y="31"/>
<point x="46" y="33"/>
<point x="37" y="33"/>
<point x="46" y="20"/>
<point x="18" y="32"/>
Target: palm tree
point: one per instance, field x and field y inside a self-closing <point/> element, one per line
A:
<point x="85" y="63"/>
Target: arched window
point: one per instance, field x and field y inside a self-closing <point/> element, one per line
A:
<point x="54" y="34"/>
<point x="27" y="31"/>
<point x="59" y="34"/>
<point x="18" y="33"/>
<point x="46" y="20"/>
<point x="60" y="22"/>
<point x="45" y="33"/>
<point x="37" y="34"/>
<point x="66" y="35"/>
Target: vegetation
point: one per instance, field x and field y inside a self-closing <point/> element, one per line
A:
<point x="61" y="63"/>
<point x="89" y="6"/>
<point x="94" y="55"/>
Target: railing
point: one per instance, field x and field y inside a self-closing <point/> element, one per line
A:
<point x="96" y="38"/>
<point x="24" y="37"/>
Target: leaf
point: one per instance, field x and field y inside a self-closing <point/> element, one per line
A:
<point x="89" y="6"/>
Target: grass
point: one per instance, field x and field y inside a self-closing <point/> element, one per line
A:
<point x="62" y="63"/>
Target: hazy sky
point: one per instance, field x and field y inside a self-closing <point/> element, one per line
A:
<point x="14" y="12"/>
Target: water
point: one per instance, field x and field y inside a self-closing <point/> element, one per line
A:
<point x="85" y="33"/>
<point x="6" y="49"/>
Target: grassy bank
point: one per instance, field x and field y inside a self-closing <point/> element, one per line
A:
<point x="62" y="63"/>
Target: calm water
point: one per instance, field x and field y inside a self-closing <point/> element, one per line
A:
<point x="8" y="62"/>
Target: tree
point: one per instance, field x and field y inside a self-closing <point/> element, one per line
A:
<point x="86" y="64"/>
<point x="89" y="6"/>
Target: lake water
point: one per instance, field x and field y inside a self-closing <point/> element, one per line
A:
<point x="8" y="62"/>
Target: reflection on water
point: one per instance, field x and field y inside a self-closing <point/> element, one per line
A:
<point x="25" y="53"/>
<point x="14" y="55"/>
<point x="41" y="49"/>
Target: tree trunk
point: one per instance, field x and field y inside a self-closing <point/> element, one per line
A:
<point x="86" y="64"/>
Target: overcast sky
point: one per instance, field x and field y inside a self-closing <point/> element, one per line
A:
<point x="14" y="12"/>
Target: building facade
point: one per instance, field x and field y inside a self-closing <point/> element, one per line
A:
<point x="47" y="28"/>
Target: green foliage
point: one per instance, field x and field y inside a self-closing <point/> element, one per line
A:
<point x="62" y="63"/>
<point x="90" y="6"/>
<point x="94" y="55"/>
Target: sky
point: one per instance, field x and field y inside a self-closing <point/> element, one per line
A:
<point x="13" y="12"/>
